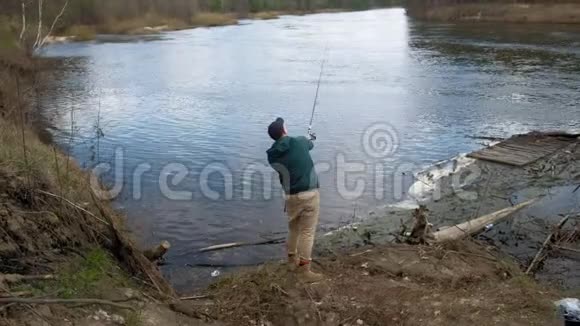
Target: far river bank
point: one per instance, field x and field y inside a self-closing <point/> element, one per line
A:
<point x="521" y="12"/>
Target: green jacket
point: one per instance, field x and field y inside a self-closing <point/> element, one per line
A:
<point x="290" y="157"/>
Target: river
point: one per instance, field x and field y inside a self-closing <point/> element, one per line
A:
<point x="181" y="119"/>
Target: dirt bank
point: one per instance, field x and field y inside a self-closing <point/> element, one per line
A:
<point x="563" y="13"/>
<point x="65" y="256"/>
<point x="459" y="284"/>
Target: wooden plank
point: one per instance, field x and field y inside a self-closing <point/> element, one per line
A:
<point x="512" y="155"/>
<point x="522" y="150"/>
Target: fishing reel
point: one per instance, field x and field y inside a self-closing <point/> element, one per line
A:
<point x="311" y="134"/>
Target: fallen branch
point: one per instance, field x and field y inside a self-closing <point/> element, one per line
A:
<point x="477" y="225"/>
<point x="65" y="301"/>
<point x="220" y="265"/>
<point x="195" y="297"/>
<point x="242" y="244"/>
<point x="540" y="254"/>
<point x="361" y="253"/>
<point x="73" y="205"/>
<point x="567" y="252"/>
<point x="16" y="278"/>
<point x="15" y="294"/>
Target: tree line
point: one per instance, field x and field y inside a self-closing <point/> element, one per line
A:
<point x="94" y="12"/>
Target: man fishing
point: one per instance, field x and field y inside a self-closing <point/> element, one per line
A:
<point x="290" y="157"/>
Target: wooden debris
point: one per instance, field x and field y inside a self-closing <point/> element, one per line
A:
<point x="241" y="244"/>
<point x="157" y="253"/>
<point x="15" y="294"/>
<point x="522" y="150"/>
<point x="567" y="252"/>
<point x="194" y="297"/>
<point x="17" y="278"/>
<point x="421" y="233"/>
<point x="477" y="225"/>
<point x="540" y="254"/>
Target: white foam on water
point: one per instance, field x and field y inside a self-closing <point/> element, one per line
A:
<point x="428" y="181"/>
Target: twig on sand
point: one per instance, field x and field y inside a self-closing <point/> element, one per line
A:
<point x="361" y="253"/>
<point x="241" y="244"/>
<point x="471" y="254"/>
<point x="540" y="254"/>
<point x="65" y="301"/>
<point x="194" y="297"/>
<point x="15" y="294"/>
<point x="315" y="304"/>
<point x="16" y="278"/>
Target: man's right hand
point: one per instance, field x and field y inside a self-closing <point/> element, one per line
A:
<point x="311" y="135"/>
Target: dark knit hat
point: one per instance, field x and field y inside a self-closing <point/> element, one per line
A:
<point x="276" y="129"/>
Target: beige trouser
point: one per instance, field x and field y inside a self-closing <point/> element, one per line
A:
<point x="303" y="210"/>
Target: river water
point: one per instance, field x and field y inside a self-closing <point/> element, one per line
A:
<point x="181" y="119"/>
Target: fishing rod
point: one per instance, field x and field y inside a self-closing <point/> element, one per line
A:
<point x="310" y="133"/>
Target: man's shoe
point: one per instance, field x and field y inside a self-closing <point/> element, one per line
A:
<point x="305" y="275"/>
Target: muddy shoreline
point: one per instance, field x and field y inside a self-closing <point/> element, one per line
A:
<point x="485" y="187"/>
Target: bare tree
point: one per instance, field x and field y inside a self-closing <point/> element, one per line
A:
<point x="39" y="32"/>
<point x="41" y="40"/>
<point x="23" y="31"/>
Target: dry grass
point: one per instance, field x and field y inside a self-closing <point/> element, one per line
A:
<point x="137" y="26"/>
<point x="265" y="15"/>
<point x="208" y="19"/>
<point x="148" y="24"/>
<point x="81" y="32"/>
<point x="44" y="164"/>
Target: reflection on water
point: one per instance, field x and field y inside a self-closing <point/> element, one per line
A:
<point x="205" y="96"/>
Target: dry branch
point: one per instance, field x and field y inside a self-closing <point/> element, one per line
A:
<point x="567" y="252"/>
<point x="194" y="297"/>
<point x="73" y="205"/>
<point x="241" y="244"/>
<point x="65" y="301"/>
<point x="16" y="278"/>
<point x="540" y="254"/>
